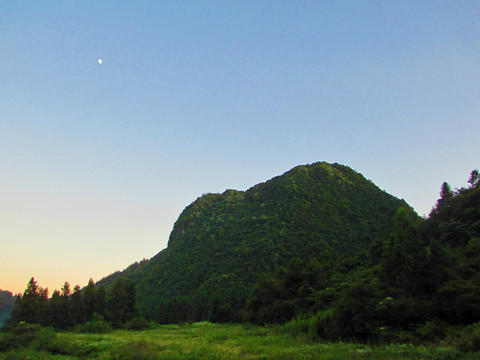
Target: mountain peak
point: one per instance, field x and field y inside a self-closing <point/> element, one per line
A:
<point x="228" y="239"/>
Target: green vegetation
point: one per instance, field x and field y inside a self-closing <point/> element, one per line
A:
<point x="320" y="253"/>
<point x="207" y="341"/>
<point x="91" y="310"/>
<point x="410" y="286"/>
<point x="222" y="243"/>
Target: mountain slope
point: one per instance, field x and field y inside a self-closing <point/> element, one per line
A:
<point x="222" y="242"/>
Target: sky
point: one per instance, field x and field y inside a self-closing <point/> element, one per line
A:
<point x="97" y="161"/>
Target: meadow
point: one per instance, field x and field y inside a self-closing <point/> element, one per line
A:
<point x="204" y="341"/>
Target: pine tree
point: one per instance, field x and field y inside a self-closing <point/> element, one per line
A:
<point x="117" y="304"/>
<point x="77" y="310"/>
<point x="100" y="304"/>
<point x="131" y="310"/>
<point x="55" y="310"/>
<point x="65" y="316"/>
<point x="474" y="179"/>
<point x="89" y="299"/>
<point x="403" y="255"/>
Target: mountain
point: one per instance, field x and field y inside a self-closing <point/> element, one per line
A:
<point x="221" y="243"/>
<point x="419" y="280"/>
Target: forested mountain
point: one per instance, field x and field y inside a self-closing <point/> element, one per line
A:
<point x="221" y="243"/>
<point x="410" y="285"/>
<point x="319" y="249"/>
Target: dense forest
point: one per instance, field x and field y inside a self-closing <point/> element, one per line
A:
<point x="319" y="249"/>
<point x="92" y="308"/>
<point x="421" y="278"/>
<point x="221" y="243"/>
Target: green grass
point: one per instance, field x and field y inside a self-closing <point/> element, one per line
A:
<point x="209" y="341"/>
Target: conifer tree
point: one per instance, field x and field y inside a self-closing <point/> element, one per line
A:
<point x="130" y="301"/>
<point x="117" y="303"/>
<point x="89" y="299"/>
<point x="474" y="179"/>
<point x="77" y="310"/>
<point x="65" y="319"/>
<point x="55" y="310"/>
<point x="100" y="304"/>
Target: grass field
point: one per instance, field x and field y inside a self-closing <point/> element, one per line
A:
<point x="211" y="341"/>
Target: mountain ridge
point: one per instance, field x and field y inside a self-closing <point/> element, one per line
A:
<point x="225" y="241"/>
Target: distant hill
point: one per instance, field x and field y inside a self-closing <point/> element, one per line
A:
<point x="221" y="243"/>
<point x="6" y="303"/>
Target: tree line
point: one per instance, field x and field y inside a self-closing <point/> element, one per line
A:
<point x="68" y="308"/>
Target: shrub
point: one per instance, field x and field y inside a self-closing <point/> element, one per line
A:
<point x="137" y="323"/>
<point x="323" y="323"/>
<point x="470" y="338"/>
<point x="141" y="350"/>
<point x="431" y="331"/>
<point x="96" y="325"/>
<point x="297" y="326"/>
<point x="22" y="334"/>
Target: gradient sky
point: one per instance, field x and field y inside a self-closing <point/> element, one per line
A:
<point x="97" y="161"/>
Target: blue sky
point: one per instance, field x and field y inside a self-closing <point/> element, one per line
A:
<point x="98" y="160"/>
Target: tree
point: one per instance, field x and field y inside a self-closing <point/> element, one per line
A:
<point x="353" y="313"/>
<point x="403" y="254"/>
<point x="89" y="299"/>
<point x="100" y="304"/>
<point x="66" y="289"/>
<point x="30" y="311"/>
<point x="31" y="307"/>
<point x="43" y="306"/>
<point x="443" y="207"/>
<point x="474" y="178"/>
<point x="266" y="303"/>
<point x="64" y="308"/>
<point x="77" y="310"/>
<point x="55" y="305"/>
<point x="131" y="310"/>
<point x="121" y="302"/>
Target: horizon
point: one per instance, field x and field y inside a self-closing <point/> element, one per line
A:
<point x="116" y="116"/>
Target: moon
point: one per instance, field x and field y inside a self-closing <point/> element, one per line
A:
<point x="100" y="61"/>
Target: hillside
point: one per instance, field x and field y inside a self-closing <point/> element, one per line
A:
<point x="420" y="283"/>
<point x="221" y="243"/>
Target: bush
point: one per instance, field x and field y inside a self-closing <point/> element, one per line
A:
<point x="297" y="326"/>
<point x="431" y="331"/>
<point x="323" y="323"/>
<point x="45" y="339"/>
<point x="24" y="354"/>
<point x="313" y="327"/>
<point x="24" y="335"/>
<point x="96" y="325"/>
<point x="469" y="339"/>
<point x="21" y="334"/>
<point x="141" y="350"/>
<point x="137" y="323"/>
